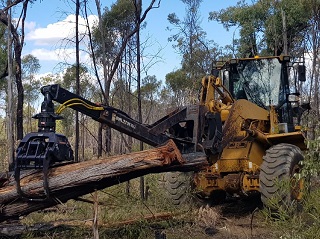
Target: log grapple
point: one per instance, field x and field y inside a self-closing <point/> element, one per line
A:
<point x="42" y="149"/>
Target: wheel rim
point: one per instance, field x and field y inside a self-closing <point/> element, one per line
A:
<point x="296" y="183"/>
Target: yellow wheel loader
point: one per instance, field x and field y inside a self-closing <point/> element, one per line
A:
<point x="246" y="124"/>
<point x="261" y="138"/>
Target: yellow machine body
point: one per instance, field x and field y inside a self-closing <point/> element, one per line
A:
<point x="248" y="131"/>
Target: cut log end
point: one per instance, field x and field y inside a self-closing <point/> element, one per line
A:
<point x="171" y="154"/>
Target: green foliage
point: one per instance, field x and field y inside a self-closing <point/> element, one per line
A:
<point x="190" y="41"/>
<point x="121" y="16"/>
<point x="150" y="88"/>
<point x="118" y="21"/>
<point x="303" y="224"/>
<point x="312" y="163"/>
<point x="198" y="54"/>
<point x="261" y="25"/>
<point x="178" y="81"/>
<point x="30" y="66"/>
<point x="31" y="86"/>
<point x="180" y="88"/>
<point x="121" y="92"/>
<point x="32" y="90"/>
<point x="49" y="79"/>
<point x="124" y="99"/>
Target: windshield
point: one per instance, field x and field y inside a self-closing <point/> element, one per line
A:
<point x="257" y="80"/>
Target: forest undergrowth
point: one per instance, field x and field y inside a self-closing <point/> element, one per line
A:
<point x="122" y="214"/>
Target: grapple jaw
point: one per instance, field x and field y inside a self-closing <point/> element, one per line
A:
<point x="35" y="148"/>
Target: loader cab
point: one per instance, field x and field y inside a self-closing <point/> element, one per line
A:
<point x="264" y="81"/>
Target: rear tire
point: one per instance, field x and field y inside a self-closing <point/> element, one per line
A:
<point x="279" y="182"/>
<point x="178" y="186"/>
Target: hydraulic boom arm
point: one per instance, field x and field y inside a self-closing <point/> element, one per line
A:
<point x="114" y="118"/>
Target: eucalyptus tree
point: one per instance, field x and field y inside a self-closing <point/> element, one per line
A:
<point x="114" y="26"/>
<point x="14" y="44"/>
<point x="76" y="148"/>
<point x="179" y="87"/>
<point x="196" y="50"/>
<point x="118" y="26"/>
<point x="115" y="30"/>
<point x="267" y="27"/>
<point x="114" y="38"/>
<point x="150" y="90"/>
<point x="30" y="66"/>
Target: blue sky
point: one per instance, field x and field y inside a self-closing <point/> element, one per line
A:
<point x="48" y="22"/>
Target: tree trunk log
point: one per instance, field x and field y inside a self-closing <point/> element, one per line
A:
<point x="77" y="179"/>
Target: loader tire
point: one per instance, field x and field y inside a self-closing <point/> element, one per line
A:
<point x="178" y="186"/>
<point x="280" y="184"/>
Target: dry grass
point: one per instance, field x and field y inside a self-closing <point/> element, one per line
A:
<point x="116" y="207"/>
<point x="207" y="217"/>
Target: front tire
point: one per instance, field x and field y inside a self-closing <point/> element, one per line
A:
<point x="280" y="184"/>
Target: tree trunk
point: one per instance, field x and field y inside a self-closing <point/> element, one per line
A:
<point x="105" y="75"/>
<point x="138" y="5"/>
<point x="74" y="180"/>
<point x="100" y="140"/>
<point x="10" y="136"/>
<point x="284" y="32"/>
<point x="76" y="146"/>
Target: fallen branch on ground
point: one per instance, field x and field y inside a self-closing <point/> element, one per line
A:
<point x="88" y="223"/>
<point x="15" y="229"/>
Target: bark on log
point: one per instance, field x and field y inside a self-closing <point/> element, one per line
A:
<point x="74" y="180"/>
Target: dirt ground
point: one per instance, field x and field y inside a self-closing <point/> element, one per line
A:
<point x="236" y="219"/>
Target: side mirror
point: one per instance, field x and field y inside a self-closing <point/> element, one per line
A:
<point x="301" y="72"/>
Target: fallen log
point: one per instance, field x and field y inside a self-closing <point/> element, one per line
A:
<point x="74" y="180"/>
